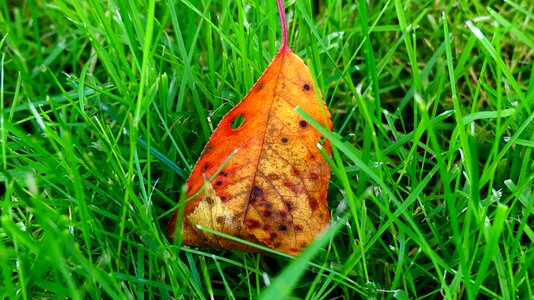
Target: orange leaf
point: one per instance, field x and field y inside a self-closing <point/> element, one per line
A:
<point x="273" y="190"/>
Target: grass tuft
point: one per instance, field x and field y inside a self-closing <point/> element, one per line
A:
<point x="106" y="106"/>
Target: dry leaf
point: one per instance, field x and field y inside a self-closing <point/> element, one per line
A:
<point x="273" y="190"/>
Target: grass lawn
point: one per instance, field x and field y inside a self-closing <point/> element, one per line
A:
<point x="105" y="106"/>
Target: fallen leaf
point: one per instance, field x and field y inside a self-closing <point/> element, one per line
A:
<point x="273" y="190"/>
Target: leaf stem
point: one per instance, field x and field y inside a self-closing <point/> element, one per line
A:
<point x="283" y="23"/>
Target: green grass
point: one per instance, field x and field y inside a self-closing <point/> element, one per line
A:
<point x="106" y="106"/>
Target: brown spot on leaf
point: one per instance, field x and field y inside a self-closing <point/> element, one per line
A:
<point x="294" y="187"/>
<point x="313" y="203"/>
<point x="303" y="124"/>
<point x="218" y="183"/>
<point x="306" y="87"/>
<point x="208" y="148"/>
<point x="252" y="224"/>
<point x="266" y="227"/>
<point x="299" y="227"/>
<point x="219" y="220"/>
<point x="288" y="205"/>
<point x="273" y="235"/>
<point x="260" y="85"/>
<point x="277" y="244"/>
<point x="267" y="213"/>
<point x="314" y="175"/>
<point x="256" y="194"/>
<point x="273" y="176"/>
<point x="205" y="166"/>
<point x="283" y="214"/>
<point x="284" y="140"/>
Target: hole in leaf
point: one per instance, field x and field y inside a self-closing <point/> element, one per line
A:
<point x="321" y="140"/>
<point x="237" y="122"/>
